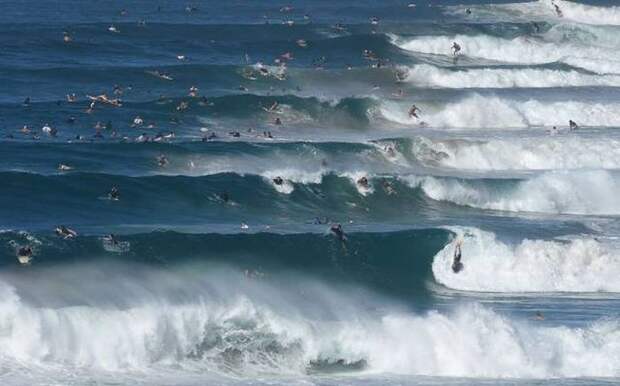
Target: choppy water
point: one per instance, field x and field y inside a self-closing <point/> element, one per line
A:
<point x="221" y="274"/>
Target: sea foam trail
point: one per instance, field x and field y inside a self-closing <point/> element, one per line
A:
<point x="430" y="76"/>
<point x="576" y="192"/>
<point x="477" y="111"/>
<point x="519" y="50"/>
<point x="249" y="335"/>
<point x="511" y="153"/>
<point x="576" y="265"/>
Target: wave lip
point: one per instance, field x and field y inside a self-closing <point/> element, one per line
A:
<point x="575" y="265"/>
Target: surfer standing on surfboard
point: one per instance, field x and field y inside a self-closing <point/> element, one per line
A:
<point x="457" y="266"/>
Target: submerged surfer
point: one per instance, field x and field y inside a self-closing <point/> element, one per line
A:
<point x="457" y="266"/>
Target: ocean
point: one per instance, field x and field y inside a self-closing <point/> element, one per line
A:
<point x="275" y="193"/>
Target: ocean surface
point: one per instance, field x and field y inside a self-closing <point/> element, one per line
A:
<point x="235" y="135"/>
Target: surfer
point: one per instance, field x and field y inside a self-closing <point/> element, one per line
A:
<point x="64" y="232"/>
<point x="336" y="229"/>
<point x="24" y="255"/>
<point x="388" y="188"/>
<point x="457" y="266"/>
<point x="64" y="168"/>
<point x="193" y="91"/>
<point x="278" y="180"/>
<point x="539" y="316"/>
<point x="363" y="182"/>
<point x="110" y="239"/>
<point x="278" y="121"/>
<point x="558" y="11"/>
<point x="224" y="197"/>
<point x="572" y="125"/>
<point x="456" y="48"/>
<point x="137" y="121"/>
<point x="47" y="129"/>
<point x="413" y="112"/>
<point x="114" y="194"/>
<point x="273" y="108"/>
<point x="162" y="160"/>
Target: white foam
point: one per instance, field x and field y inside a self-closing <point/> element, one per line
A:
<point x="430" y="76"/>
<point x="518" y="153"/>
<point x="250" y="338"/>
<point x="583" y="13"/>
<point x="519" y="50"/>
<point x="575" y="192"/>
<point x="483" y="112"/>
<point x="542" y="10"/>
<point x="576" y="265"/>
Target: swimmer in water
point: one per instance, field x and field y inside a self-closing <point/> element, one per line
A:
<point x="413" y="112"/>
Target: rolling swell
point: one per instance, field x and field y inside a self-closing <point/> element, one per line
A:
<point x="397" y="262"/>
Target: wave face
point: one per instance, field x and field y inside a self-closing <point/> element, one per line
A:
<point x="534" y="153"/>
<point x="367" y="193"/>
<point x="484" y="112"/>
<point x="574" y="265"/>
<point x="553" y="192"/>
